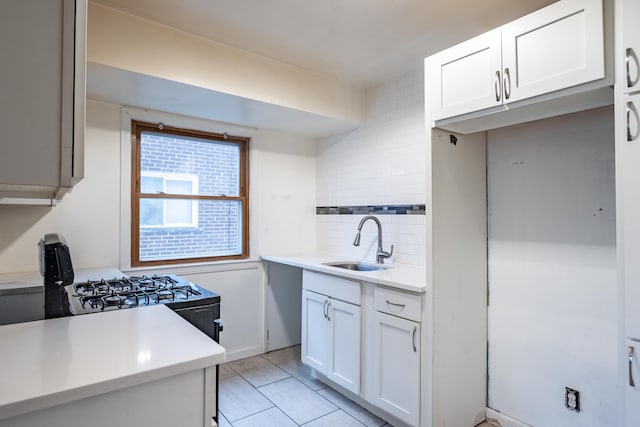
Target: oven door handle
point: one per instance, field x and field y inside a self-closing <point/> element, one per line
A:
<point x="219" y="325"/>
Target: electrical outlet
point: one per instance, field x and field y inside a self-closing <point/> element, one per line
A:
<point x="572" y="399"/>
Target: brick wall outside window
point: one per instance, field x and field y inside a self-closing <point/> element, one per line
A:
<point x="219" y="224"/>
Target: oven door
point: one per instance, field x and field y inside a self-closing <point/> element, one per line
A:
<point x="205" y="317"/>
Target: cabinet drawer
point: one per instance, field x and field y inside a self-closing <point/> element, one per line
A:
<point x="401" y="304"/>
<point x="335" y="287"/>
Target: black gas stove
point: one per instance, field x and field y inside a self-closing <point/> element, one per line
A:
<point x="199" y="306"/>
<point x="64" y="297"/>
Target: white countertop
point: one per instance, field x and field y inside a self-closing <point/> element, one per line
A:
<point x="33" y="282"/>
<point x="50" y="362"/>
<point x="13" y="283"/>
<point x="401" y="276"/>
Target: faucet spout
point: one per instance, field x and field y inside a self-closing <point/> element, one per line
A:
<point x="381" y="254"/>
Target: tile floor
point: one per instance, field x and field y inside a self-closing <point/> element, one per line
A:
<point x="275" y="389"/>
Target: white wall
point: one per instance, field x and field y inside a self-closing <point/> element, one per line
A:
<point x="88" y="217"/>
<point x="143" y="47"/>
<point x="552" y="270"/>
<point x="380" y="163"/>
<point x="282" y="220"/>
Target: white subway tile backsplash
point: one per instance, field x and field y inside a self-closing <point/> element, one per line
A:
<point x="381" y="163"/>
<point x="406" y="232"/>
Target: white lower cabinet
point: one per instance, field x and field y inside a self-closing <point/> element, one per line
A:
<point x="331" y="328"/>
<point x="332" y="336"/>
<point x="396" y="359"/>
<point x="315" y="331"/>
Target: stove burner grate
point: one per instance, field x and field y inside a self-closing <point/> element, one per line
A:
<point x="132" y="291"/>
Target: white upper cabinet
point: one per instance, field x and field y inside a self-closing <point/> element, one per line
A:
<point x="42" y="43"/>
<point x="558" y="47"/>
<point x="631" y="45"/>
<point x="467" y="76"/>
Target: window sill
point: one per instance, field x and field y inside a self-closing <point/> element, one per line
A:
<point x="196" y="268"/>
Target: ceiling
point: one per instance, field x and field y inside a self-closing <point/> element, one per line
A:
<point x="362" y="42"/>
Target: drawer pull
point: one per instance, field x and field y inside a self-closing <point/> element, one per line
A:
<point x="507" y="83"/>
<point x="630" y="109"/>
<point x="629" y="56"/>
<point x="413" y="339"/>
<point x="632" y="383"/>
<point x="396" y="304"/>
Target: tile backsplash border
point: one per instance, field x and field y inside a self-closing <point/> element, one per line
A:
<point x="416" y="209"/>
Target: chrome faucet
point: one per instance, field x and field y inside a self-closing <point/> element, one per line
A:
<point x="380" y="255"/>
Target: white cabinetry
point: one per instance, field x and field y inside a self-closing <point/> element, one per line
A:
<point x="42" y="43"/>
<point x="395" y="383"/>
<point x="628" y="180"/>
<point x="628" y="198"/>
<point x="331" y="328"/>
<point x="466" y="76"/>
<point x="555" y="48"/>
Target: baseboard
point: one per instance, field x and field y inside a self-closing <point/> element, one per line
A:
<point x="245" y="352"/>
<point x="499" y="419"/>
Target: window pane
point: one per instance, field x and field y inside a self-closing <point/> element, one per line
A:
<point x="151" y="184"/>
<point x="151" y="212"/>
<point x="174" y="186"/>
<point x="179" y="212"/>
<point x="217" y="232"/>
<point x="215" y="164"/>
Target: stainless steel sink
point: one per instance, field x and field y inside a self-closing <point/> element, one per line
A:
<point x="357" y="266"/>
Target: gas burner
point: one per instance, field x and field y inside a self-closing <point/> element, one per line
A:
<point x="165" y="294"/>
<point x="113" y="300"/>
<point x="93" y="302"/>
<point x="148" y="287"/>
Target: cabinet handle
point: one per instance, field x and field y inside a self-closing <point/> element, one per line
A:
<point x="497" y="83"/>
<point x="325" y="310"/>
<point x="631" y="109"/>
<point x="329" y="311"/>
<point x="629" y="55"/>
<point x="632" y="383"/>
<point x="507" y="83"/>
<point x="396" y="304"/>
<point x="413" y="339"/>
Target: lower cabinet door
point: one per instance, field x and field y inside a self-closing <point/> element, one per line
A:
<point x="344" y="367"/>
<point x="315" y="331"/>
<point x="396" y="359"/>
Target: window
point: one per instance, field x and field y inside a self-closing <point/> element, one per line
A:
<point x="189" y="195"/>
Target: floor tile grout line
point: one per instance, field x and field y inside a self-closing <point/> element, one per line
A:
<point x="297" y="378"/>
<point x="317" y="418"/>
<point x="273" y="403"/>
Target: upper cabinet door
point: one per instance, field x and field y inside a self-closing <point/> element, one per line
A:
<point x="42" y="113"/>
<point x="631" y="45"/>
<point x="557" y="47"/>
<point x="466" y="77"/>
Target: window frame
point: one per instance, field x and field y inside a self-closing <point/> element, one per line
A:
<point x="137" y="127"/>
